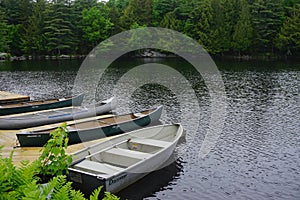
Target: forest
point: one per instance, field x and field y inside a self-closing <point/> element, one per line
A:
<point x="222" y="27"/>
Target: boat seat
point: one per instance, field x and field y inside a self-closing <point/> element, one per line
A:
<point x="102" y="168"/>
<point x="129" y="153"/>
<point x="70" y="128"/>
<point x="139" y="114"/>
<point x="150" y="142"/>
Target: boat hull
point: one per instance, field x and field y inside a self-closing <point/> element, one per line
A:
<point x="40" y="139"/>
<point x="53" y="116"/>
<point x="87" y="182"/>
<point x="75" y="101"/>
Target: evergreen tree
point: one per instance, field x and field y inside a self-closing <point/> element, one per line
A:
<point x="58" y="28"/>
<point x="243" y="29"/>
<point x="219" y="34"/>
<point x="169" y="21"/>
<point x="116" y="8"/>
<point x="137" y="11"/>
<point x="32" y="40"/>
<point x="267" y="18"/>
<point x="288" y="38"/>
<point x="161" y="8"/>
<point x="76" y="16"/>
<point x="5" y="39"/>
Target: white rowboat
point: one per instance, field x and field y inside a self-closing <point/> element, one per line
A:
<point x="124" y="159"/>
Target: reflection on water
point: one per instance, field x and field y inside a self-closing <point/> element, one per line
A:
<point x="257" y="155"/>
<point x="155" y="182"/>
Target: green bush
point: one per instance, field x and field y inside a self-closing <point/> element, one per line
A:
<point x="54" y="160"/>
<point x="24" y="182"/>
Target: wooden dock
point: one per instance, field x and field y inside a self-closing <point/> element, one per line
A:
<point x="8" y="139"/>
<point x="7" y="97"/>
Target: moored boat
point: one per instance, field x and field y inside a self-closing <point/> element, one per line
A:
<point x="55" y="115"/>
<point x="124" y="159"/>
<point x="95" y="128"/>
<point x="31" y="106"/>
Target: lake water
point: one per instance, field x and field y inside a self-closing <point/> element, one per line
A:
<point x="257" y="155"/>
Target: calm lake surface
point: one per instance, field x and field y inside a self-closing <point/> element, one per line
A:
<point x="257" y="155"/>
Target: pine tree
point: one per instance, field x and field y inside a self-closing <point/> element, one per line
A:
<point x="161" y="8"/>
<point x="5" y="40"/>
<point x="288" y="38"/>
<point x="139" y="12"/>
<point x="116" y="8"/>
<point x="58" y="28"/>
<point x="32" y="40"/>
<point x="219" y="34"/>
<point x="169" y="21"/>
<point x="243" y="29"/>
<point x="267" y="18"/>
<point x="76" y="16"/>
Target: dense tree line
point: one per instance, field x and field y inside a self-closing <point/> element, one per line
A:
<point x="54" y="27"/>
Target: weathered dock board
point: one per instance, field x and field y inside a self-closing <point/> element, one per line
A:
<point x="7" y="97"/>
<point x="8" y="140"/>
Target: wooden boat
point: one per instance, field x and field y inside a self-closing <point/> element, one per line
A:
<point x="31" y="106"/>
<point x="94" y="128"/>
<point x="55" y="115"/>
<point x="121" y="161"/>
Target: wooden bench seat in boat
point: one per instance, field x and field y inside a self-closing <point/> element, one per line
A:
<point x="102" y="168"/>
<point x="150" y="142"/>
<point x="139" y="115"/>
<point x="129" y="153"/>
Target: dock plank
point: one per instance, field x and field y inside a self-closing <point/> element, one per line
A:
<point x="8" y="140"/>
<point x="7" y="97"/>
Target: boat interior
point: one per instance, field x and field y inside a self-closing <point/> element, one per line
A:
<point x="102" y="122"/>
<point x="122" y="155"/>
<point x="30" y="103"/>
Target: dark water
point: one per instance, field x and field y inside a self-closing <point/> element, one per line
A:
<point x="257" y="156"/>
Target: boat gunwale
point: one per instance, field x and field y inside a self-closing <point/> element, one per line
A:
<point x="106" y="177"/>
<point x="37" y="103"/>
<point x="30" y="118"/>
<point x="151" y="111"/>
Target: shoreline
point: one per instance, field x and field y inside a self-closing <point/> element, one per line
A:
<point x="154" y="54"/>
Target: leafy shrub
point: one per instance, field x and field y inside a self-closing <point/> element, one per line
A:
<point x="23" y="182"/>
<point x="54" y="160"/>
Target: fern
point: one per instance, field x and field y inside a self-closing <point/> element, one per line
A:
<point x="109" y="196"/>
<point x="76" y="195"/>
<point x="96" y="193"/>
<point x="23" y="183"/>
<point x="7" y="170"/>
<point x="61" y="189"/>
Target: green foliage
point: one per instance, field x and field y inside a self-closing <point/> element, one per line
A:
<point x="268" y="16"/>
<point x="76" y="26"/>
<point x="243" y="29"/>
<point x="22" y="182"/>
<point x="289" y="36"/>
<point x="5" y="40"/>
<point x="96" y="25"/>
<point x="15" y="182"/>
<point x="54" y="160"/>
<point x="33" y="41"/>
<point x="137" y="11"/>
<point x="58" y="32"/>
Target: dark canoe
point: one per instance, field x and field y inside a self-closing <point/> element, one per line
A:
<point x="96" y="129"/>
<point x="31" y="106"/>
<point x="55" y="115"/>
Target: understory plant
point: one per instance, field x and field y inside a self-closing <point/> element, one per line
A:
<point x="24" y="182"/>
<point x="54" y="160"/>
